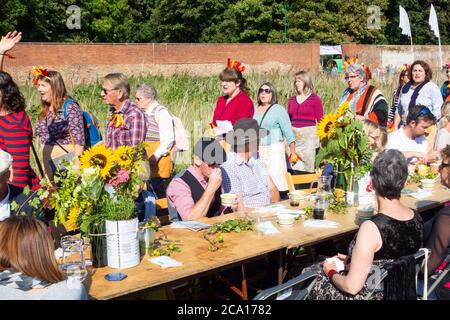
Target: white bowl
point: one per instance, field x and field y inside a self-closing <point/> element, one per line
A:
<point x="286" y="218"/>
<point x="428" y="183"/>
<point x="297" y="195"/>
<point x="228" y="199"/>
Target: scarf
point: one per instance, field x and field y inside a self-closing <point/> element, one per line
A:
<point x="20" y="281"/>
<point x="354" y="99"/>
<point x="415" y="94"/>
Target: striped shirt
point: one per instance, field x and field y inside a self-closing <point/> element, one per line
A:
<point x="249" y="178"/>
<point x="16" y="135"/>
<point x="131" y="132"/>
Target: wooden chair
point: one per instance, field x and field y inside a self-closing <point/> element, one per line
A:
<point x="292" y="180"/>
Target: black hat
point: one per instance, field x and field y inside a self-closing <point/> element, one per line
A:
<point x="210" y="151"/>
<point x="245" y="130"/>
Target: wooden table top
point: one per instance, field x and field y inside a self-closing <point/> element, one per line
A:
<point x="238" y="248"/>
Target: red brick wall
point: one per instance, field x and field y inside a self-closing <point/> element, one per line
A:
<point x="87" y="62"/>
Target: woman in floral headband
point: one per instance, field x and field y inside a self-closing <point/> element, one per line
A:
<point x="60" y="127"/>
<point x="235" y="103"/>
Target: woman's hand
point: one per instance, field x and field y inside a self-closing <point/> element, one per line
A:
<point x="327" y="266"/>
<point x="9" y="41"/>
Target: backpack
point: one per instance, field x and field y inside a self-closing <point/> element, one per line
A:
<point x="180" y="133"/>
<point x="92" y="132"/>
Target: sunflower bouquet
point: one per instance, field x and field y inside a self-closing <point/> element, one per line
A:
<point x="344" y="144"/>
<point x="104" y="177"/>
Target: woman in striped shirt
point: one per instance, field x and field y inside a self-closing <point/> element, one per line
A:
<point x="403" y="78"/>
<point x="16" y="133"/>
<point x="305" y="111"/>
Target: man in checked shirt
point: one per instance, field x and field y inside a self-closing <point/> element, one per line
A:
<point x="126" y="122"/>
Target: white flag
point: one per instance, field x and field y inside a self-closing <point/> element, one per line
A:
<point x="433" y="21"/>
<point x="404" y="22"/>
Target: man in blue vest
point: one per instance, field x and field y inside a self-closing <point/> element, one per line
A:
<point x="195" y="192"/>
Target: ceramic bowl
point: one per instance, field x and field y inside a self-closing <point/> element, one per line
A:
<point x="228" y="199"/>
<point x="286" y="218"/>
<point x="428" y="183"/>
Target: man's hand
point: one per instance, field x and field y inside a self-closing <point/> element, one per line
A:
<point x="9" y="41"/>
<point x="431" y="157"/>
<point x="215" y="179"/>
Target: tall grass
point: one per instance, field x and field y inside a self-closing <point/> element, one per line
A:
<point x="193" y="98"/>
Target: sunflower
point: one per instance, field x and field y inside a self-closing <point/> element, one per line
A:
<point x="326" y="126"/>
<point x="342" y="110"/>
<point x="98" y="156"/>
<point x="124" y="155"/>
<point x="71" y="223"/>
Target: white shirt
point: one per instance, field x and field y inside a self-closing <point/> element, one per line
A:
<point x="399" y="141"/>
<point x="442" y="139"/>
<point x="166" y="130"/>
<point x="5" y="207"/>
<point x="429" y="96"/>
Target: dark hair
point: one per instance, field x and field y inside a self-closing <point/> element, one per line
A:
<point x="400" y="81"/>
<point x="418" y="113"/>
<point x="274" y="99"/>
<point x="445" y="152"/>
<point x="10" y="95"/>
<point x="389" y="174"/>
<point x="230" y="74"/>
<point x="425" y="66"/>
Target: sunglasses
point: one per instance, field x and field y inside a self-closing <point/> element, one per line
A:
<point x="350" y="77"/>
<point x="423" y="112"/>
<point x="443" y="165"/>
<point x="261" y="90"/>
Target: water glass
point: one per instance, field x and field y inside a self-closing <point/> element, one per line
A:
<point x="73" y="263"/>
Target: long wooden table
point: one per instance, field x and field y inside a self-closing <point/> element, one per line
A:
<point x="239" y="248"/>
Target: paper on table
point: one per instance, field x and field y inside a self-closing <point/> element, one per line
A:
<point x="266" y="227"/>
<point x="191" y="225"/>
<point x="165" y="262"/>
<point x="270" y="208"/>
<point x="339" y="263"/>
<point x="420" y="194"/>
<point x="314" y="223"/>
<point x="223" y="126"/>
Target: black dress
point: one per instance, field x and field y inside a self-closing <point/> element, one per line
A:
<point x="399" y="238"/>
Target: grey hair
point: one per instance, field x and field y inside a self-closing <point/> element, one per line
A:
<point x="148" y="91"/>
<point x="389" y="174"/>
<point x="120" y="82"/>
<point x="357" y="69"/>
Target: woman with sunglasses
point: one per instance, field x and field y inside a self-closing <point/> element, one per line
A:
<point x="60" y="123"/>
<point x="305" y="111"/>
<point x="272" y="148"/>
<point x="366" y="101"/>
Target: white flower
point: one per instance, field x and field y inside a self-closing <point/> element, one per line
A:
<point x="143" y="170"/>
<point x="89" y="174"/>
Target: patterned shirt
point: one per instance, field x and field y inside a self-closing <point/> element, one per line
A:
<point x="249" y="178"/>
<point x="131" y="132"/>
<point x="62" y="130"/>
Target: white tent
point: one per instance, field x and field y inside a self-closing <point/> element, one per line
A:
<point x="330" y="50"/>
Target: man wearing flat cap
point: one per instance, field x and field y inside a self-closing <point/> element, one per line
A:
<point x="243" y="172"/>
<point x="195" y="192"/>
<point x="13" y="200"/>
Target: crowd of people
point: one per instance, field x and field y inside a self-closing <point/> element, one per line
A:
<point x="265" y="140"/>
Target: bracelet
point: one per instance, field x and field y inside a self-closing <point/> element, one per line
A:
<point x="331" y="273"/>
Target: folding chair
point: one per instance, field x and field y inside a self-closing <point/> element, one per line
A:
<point x="292" y="180"/>
<point x="295" y="289"/>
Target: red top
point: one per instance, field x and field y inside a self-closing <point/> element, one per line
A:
<point x="15" y="138"/>
<point x="241" y="106"/>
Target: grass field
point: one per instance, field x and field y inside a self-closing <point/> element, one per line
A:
<point x="193" y="99"/>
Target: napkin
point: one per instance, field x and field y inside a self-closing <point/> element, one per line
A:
<point x="191" y="225"/>
<point x="314" y="223"/>
<point x="339" y="263"/>
<point x="223" y="127"/>
<point x="165" y="262"/>
<point x="420" y="194"/>
<point x="266" y="227"/>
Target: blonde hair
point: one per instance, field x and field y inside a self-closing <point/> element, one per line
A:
<point x="119" y="81"/>
<point x="58" y="94"/>
<point x="26" y="247"/>
<point x="369" y="128"/>
<point x="445" y="114"/>
<point x="307" y="78"/>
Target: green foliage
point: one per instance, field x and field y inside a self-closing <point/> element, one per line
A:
<point x="117" y="208"/>
<point x="214" y="234"/>
<point x="328" y="21"/>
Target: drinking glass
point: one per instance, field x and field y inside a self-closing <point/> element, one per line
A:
<point x="73" y="263"/>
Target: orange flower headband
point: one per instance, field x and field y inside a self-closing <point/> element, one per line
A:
<point x="236" y="65"/>
<point x="348" y="62"/>
<point x="405" y="66"/>
<point x="39" y="71"/>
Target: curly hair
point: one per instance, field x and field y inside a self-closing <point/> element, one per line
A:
<point x="10" y="96"/>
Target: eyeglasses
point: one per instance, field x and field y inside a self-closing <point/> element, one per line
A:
<point x="443" y="165"/>
<point x="261" y="90"/>
<point x="423" y="112"/>
<point x="350" y="77"/>
<point x="107" y="91"/>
